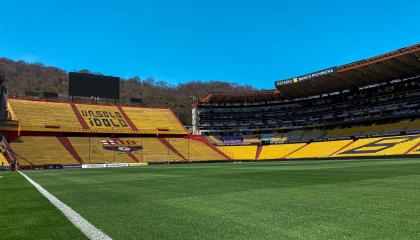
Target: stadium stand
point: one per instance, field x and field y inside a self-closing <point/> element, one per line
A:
<point x="279" y="151"/>
<point x="320" y="149"/>
<point x="151" y="118"/>
<point x="3" y="161"/>
<point x="42" y="116"/>
<point x="381" y="129"/>
<point x="214" y="139"/>
<point x="91" y="150"/>
<point x="41" y="150"/>
<point x="386" y="146"/>
<point x="359" y="99"/>
<point x="195" y="150"/>
<point x="415" y="150"/>
<point x="369" y="108"/>
<point x="239" y="152"/>
<point x="368" y="147"/>
<point x="102" y="118"/>
<point x="51" y="150"/>
<point x="360" y="107"/>
<point x="154" y="151"/>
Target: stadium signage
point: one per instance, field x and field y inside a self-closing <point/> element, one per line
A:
<point x="306" y="77"/>
<point x="105" y="165"/>
<point x="141" y="164"/>
<point x="117" y="145"/>
<point x="107" y="119"/>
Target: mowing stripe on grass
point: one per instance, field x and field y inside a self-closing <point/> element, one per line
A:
<point x="82" y="224"/>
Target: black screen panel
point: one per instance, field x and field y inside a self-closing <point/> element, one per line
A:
<point x="87" y="85"/>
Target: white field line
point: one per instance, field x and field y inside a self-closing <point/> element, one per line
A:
<point x="82" y="224"/>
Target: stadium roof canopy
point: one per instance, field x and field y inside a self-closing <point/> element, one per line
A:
<point x="398" y="64"/>
<point x="242" y="98"/>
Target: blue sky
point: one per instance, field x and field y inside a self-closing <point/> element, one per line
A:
<point x="247" y="42"/>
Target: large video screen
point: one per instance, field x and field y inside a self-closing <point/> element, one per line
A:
<point x="87" y="85"/>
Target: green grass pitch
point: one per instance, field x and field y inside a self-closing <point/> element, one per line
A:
<point x="336" y="199"/>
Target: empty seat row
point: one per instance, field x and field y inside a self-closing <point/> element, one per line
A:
<point x="66" y="117"/>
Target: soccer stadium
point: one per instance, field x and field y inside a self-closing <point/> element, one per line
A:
<point x="208" y="120"/>
<point x="333" y="154"/>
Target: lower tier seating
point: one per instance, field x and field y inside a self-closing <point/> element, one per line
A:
<point x="91" y="150"/>
<point x="279" y="151"/>
<point x="400" y="145"/>
<point x="48" y="150"/>
<point x="240" y="152"/>
<point x="3" y="161"/>
<point x="320" y="149"/>
<point x="153" y="150"/>
<point x="195" y="150"/>
<point x="42" y="150"/>
<point x="416" y="150"/>
<point x="368" y="147"/>
<point x="37" y="150"/>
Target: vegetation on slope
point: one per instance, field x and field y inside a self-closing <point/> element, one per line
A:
<point x="22" y="76"/>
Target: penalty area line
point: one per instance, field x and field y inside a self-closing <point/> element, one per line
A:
<point x="82" y="224"/>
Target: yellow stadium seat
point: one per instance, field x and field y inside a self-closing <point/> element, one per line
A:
<point x="240" y="152"/>
<point x="415" y="150"/>
<point x="91" y="150"/>
<point x="3" y="161"/>
<point x="153" y="118"/>
<point x="39" y="150"/>
<point x="195" y="150"/>
<point x="385" y="146"/>
<point x="153" y="151"/>
<point x="45" y="116"/>
<point x="279" y="151"/>
<point x="320" y="149"/>
<point x="67" y="117"/>
<point x="106" y="119"/>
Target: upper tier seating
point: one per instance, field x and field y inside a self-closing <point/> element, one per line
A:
<point x="381" y="103"/>
<point x="65" y="117"/>
<point x="44" y="116"/>
<point x="374" y="129"/>
<point x="101" y="118"/>
<point x="154" y="118"/>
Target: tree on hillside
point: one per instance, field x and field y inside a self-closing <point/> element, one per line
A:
<point x="22" y="76"/>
